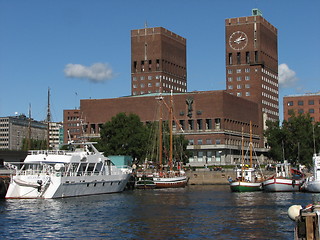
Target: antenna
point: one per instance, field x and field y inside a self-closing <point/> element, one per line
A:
<point x="48" y="107"/>
<point x="146" y="24"/>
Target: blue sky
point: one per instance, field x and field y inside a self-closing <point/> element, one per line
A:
<point x="62" y="44"/>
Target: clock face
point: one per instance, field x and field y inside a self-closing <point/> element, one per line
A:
<point x="238" y="40"/>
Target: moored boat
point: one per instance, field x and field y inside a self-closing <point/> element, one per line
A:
<point x="312" y="184"/>
<point x="58" y="174"/>
<point x="285" y="179"/>
<point x="247" y="180"/>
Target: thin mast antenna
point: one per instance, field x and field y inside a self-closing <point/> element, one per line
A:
<point x="48" y="107"/>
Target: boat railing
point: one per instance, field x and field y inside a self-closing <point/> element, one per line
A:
<point x="48" y="152"/>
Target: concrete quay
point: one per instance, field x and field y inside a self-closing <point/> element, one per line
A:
<point x="207" y="177"/>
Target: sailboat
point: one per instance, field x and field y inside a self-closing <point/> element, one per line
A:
<point x="171" y="178"/>
<point x="246" y="176"/>
<point x="286" y="179"/>
<point x="312" y="184"/>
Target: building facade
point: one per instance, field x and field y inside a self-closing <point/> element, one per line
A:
<point x="55" y="131"/>
<point x="212" y="121"/>
<point x="158" y="61"/>
<point x="13" y="130"/>
<point x="252" y="62"/>
<point x="302" y="104"/>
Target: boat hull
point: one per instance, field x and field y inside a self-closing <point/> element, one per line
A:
<point x="281" y="185"/>
<point x="171" y="182"/>
<point x="312" y="186"/>
<point x="61" y="187"/>
<point x="239" y="186"/>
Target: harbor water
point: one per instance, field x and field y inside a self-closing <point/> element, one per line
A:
<point x="194" y="212"/>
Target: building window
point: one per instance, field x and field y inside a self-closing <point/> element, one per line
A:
<point x="230" y="58"/>
<point x="239" y="94"/>
<point x="230" y="87"/>
<point x="229" y="71"/>
<point x="149" y="77"/>
<point x="247" y="86"/>
<point x="190" y="123"/>
<point x="142" y="78"/>
<point x="247" y="94"/>
<point x="199" y="124"/>
<point x="300" y="111"/>
<point x="239" y="78"/>
<point x="191" y="142"/>
<point x="142" y="85"/>
<point x="311" y="102"/>
<point x="300" y="103"/>
<point x="247" y="57"/>
<point x="247" y="78"/>
<point x="134" y="78"/>
<point x="209" y="141"/>
<point x="208" y="124"/>
<point x="247" y="70"/>
<point x="149" y="84"/>
<point x="134" y="86"/>
<point x="229" y="79"/>
<point x="238" y="58"/>
<point x="238" y="86"/>
<point x="199" y="141"/>
<point x="218" y="141"/>
<point x="256" y="57"/>
<point x="142" y="66"/>
<point x="217" y="122"/>
<point x="157" y="64"/>
<point x="238" y="70"/>
<point x="290" y="103"/>
<point x="311" y="110"/>
<point x="150" y="65"/>
<point x="181" y="122"/>
<point x="157" y="84"/>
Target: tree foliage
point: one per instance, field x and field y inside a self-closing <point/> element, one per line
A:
<point x="126" y="135"/>
<point x="295" y="140"/>
<point x="33" y="144"/>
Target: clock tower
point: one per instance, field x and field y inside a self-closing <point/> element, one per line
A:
<point x="252" y="62"/>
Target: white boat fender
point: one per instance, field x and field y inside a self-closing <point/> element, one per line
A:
<point x="294" y="211"/>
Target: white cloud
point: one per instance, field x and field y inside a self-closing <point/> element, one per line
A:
<point x="287" y="77"/>
<point x="97" y="72"/>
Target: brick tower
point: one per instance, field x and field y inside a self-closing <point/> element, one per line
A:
<point x="158" y="61"/>
<point x="252" y="62"/>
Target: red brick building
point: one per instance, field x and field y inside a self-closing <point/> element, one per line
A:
<point x="252" y="62"/>
<point x="158" y="61"/>
<point x="212" y="121"/>
<point x="304" y="104"/>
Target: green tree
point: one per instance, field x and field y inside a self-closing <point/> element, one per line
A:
<point x="124" y="135"/>
<point x="295" y="140"/>
<point x="34" y="144"/>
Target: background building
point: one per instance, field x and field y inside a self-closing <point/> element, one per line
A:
<point x="302" y="104"/>
<point x="252" y="62"/>
<point x="55" y="131"/>
<point x="212" y="121"/>
<point x="13" y="130"/>
<point x="158" y="61"/>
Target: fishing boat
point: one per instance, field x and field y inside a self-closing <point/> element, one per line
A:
<point x="285" y="179"/>
<point x="58" y="174"/>
<point x="172" y="178"/>
<point x="247" y="179"/>
<point x="312" y="184"/>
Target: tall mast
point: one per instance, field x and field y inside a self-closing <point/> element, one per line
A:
<point x="160" y="134"/>
<point x="29" y="129"/>
<point x="250" y="144"/>
<point x="242" y="154"/>
<point x="48" y="120"/>
<point x="170" y="129"/>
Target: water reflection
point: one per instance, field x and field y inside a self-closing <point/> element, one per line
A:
<point x="195" y="212"/>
